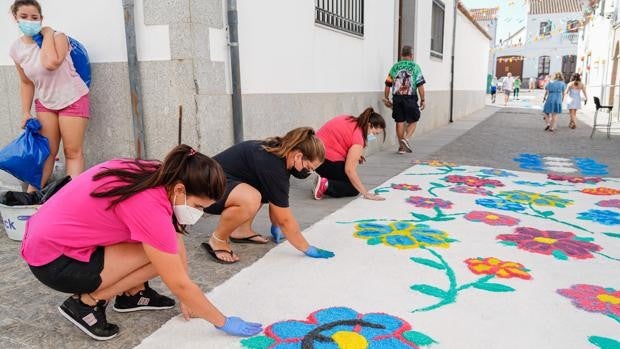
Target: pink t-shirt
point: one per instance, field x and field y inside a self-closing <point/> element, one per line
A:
<point x="338" y="135"/>
<point x="55" y="89"/>
<point x="74" y="224"/>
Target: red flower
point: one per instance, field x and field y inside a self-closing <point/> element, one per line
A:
<point x="473" y="181"/>
<point x="491" y="218"/>
<point x="551" y="242"/>
<point x="499" y="268"/>
<point x="574" y="179"/>
<point x="594" y="298"/>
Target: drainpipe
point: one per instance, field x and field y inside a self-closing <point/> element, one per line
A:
<point x="135" y="85"/>
<point x="452" y="62"/>
<point x="233" y="44"/>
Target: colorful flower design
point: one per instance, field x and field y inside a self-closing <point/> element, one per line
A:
<point x="339" y="327"/>
<point x="605" y="217"/>
<point x="574" y="179"/>
<point x="491" y="218"/>
<point x="600" y="191"/>
<point x="614" y="203"/>
<point x="532" y="162"/>
<point x="499" y="268"/>
<point x="463" y="189"/>
<point x="532" y="184"/>
<point x="434" y="163"/>
<point x="419" y="201"/>
<point x="500" y="204"/>
<point x="560" y="244"/>
<point x="405" y="187"/>
<point x="536" y="199"/>
<point x="402" y="235"/>
<point x="497" y="172"/>
<point x="473" y="181"/>
<point x="595" y="299"/>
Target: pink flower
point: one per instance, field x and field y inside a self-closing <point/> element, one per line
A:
<point x="473" y="181"/>
<point x="574" y="179"/>
<point x="423" y="202"/>
<point x="491" y="218"/>
<point x="594" y="298"/>
<point x="463" y="189"/>
<point x="405" y="187"/>
<point x="615" y="203"/>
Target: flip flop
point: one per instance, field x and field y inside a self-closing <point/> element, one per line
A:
<point x="249" y="240"/>
<point x="213" y="254"/>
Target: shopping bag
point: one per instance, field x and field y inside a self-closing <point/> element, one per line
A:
<point x="24" y="157"/>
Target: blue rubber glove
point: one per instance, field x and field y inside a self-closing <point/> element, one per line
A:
<point x="277" y="234"/>
<point x="237" y="327"/>
<point x="318" y="253"/>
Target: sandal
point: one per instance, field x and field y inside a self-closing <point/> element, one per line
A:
<point x="572" y="125"/>
<point x="213" y="254"/>
<point x="249" y="240"/>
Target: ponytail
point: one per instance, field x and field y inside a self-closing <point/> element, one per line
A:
<point x="367" y="119"/>
<point x="302" y="139"/>
<point x="201" y="176"/>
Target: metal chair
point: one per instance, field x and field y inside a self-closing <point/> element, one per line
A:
<point x="608" y="108"/>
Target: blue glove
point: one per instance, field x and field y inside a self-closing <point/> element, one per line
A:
<point x="277" y="234"/>
<point x="237" y="327"/>
<point x="318" y="253"/>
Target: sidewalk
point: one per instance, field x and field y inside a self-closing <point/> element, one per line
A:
<point x="28" y="314"/>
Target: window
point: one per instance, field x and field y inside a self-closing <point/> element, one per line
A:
<point x="572" y="26"/>
<point x="344" y="15"/>
<point x="543" y="65"/>
<point x="545" y="28"/>
<point x="437" y="29"/>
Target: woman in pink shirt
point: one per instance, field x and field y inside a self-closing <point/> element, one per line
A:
<point x="48" y="74"/>
<point x="114" y="227"/>
<point x="345" y="138"/>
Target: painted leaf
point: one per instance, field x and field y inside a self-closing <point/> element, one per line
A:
<point x="437" y="185"/>
<point x="451" y="240"/>
<point x="443" y="219"/>
<point x="613" y="235"/>
<point x="430" y="290"/>
<point x="584" y="239"/>
<point x="508" y="243"/>
<point x="418" y="338"/>
<point x="493" y="287"/>
<point x="604" y="343"/>
<point x="374" y="241"/>
<point x="377" y="191"/>
<point x="421" y="216"/>
<point x="559" y="254"/>
<point x="547" y="213"/>
<point x="258" y="342"/>
<point x="428" y="262"/>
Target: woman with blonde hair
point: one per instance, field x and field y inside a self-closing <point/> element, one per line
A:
<point x="573" y="98"/>
<point x="257" y="173"/>
<point x="554" y="95"/>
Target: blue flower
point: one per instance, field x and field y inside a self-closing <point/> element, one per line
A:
<point x="402" y="235"/>
<point x="500" y="204"/>
<point x="497" y="172"/>
<point x="530" y="162"/>
<point x="605" y="217"/>
<point x="589" y="166"/>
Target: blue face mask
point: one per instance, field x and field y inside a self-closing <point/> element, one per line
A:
<point x="29" y="28"/>
<point x="371" y="137"/>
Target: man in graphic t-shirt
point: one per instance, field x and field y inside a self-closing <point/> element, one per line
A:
<point x="405" y="82"/>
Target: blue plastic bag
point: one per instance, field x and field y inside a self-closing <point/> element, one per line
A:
<point x="24" y="157"/>
<point x="79" y="55"/>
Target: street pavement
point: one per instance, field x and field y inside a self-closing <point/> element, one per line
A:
<point x="491" y="137"/>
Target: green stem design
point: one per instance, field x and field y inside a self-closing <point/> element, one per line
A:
<point x="382" y="190"/>
<point x="434" y="186"/>
<point x="560" y="191"/>
<point x="540" y="214"/>
<point x="614" y="317"/>
<point x="613" y="259"/>
<point x="479" y="281"/>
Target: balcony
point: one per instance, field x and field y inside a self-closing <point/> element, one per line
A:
<point x="573" y="38"/>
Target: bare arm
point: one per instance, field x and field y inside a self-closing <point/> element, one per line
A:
<point x="422" y="93"/>
<point x="386" y="97"/>
<point x="283" y="217"/>
<point x="354" y="156"/>
<point x="172" y="271"/>
<point x="54" y="49"/>
<point x="26" y="91"/>
<point x="585" y="94"/>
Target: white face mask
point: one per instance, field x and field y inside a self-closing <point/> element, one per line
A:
<point x="186" y="215"/>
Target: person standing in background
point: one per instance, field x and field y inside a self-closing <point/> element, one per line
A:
<point x="517" y="87"/>
<point x="554" y="95"/>
<point x="573" y="98"/>
<point x="507" y="87"/>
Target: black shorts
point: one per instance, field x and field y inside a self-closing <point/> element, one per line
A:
<point x="68" y="275"/>
<point x="405" y="108"/>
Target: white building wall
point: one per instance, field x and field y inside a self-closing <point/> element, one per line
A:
<point x="99" y="26"/>
<point x="291" y="54"/>
<point x="472" y="55"/>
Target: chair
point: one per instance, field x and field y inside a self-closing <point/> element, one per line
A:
<point x="608" y="108"/>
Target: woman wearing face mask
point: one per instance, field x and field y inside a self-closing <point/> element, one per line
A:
<point x="345" y="138"/>
<point x="112" y="229"/>
<point x="258" y="172"/>
<point x="48" y="76"/>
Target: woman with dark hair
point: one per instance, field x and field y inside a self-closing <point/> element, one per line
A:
<point x="345" y="138"/>
<point x="573" y="98"/>
<point x="114" y="227"/>
<point x="257" y="173"/>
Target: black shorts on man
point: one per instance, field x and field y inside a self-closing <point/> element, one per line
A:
<point x="405" y="109"/>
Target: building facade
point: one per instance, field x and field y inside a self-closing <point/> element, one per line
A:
<point x="301" y="63"/>
<point x="487" y="17"/>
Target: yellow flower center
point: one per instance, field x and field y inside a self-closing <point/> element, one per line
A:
<point x="544" y="240"/>
<point x="349" y="340"/>
<point x="492" y="217"/>
<point x="607" y="298"/>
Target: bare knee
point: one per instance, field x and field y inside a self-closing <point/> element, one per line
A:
<point x="73" y="153"/>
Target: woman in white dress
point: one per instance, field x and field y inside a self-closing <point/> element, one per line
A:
<point x="573" y="98"/>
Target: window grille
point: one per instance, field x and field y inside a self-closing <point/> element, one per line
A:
<point x="343" y="15"/>
<point x="437" y="28"/>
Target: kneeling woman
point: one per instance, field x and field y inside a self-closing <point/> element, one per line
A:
<point x="345" y="138"/>
<point x="111" y="229"/>
<point x="258" y="172"/>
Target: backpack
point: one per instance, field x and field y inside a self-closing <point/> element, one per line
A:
<point x="79" y="56"/>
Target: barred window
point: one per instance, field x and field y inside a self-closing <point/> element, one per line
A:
<point x="344" y="15"/>
<point x="437" y="27"/>
<point x="545" y="28"/>
<point x="543" y="65"/>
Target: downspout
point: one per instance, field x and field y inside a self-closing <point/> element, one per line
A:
<point x="452" y="62"/>
<point x="233" y="44"/>
<point x="135" y="85"/>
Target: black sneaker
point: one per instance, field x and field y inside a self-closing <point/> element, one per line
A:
<point x="408" y="147"/>
<point x="90" y="319"/>
<point x="147" y="299"/>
